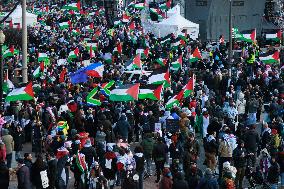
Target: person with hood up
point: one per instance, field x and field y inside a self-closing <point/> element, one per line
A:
<point x="180" y="183"/>
<point x="9" y="143"/>
<point x="273" y="174"/>
<point x="90" y="153"/>
<point x="122" y="127"/>
<point x="208" y="181"/>
<point x="166" y="181"/>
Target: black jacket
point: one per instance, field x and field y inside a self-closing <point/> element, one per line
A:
<point x="35" y="175"/>
<point x="273" y="173"/>
<point x="251" y="139"/>
<point x="23" y="175"/>
<point x="4" y="176"/>
<point x="160" y="152"/>
<point x="180" y="184"/>
<point x="90" y="154"/>
<point x="239" y="157"/>
<point x="52" y="173"/>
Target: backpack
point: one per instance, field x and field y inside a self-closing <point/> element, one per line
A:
<point x="275" y="141"/>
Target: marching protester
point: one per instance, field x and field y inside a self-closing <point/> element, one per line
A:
<point x="106" y="97"/>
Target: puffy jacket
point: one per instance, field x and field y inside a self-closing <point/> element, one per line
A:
<point x="148" y="145"/>
<point x="225" y="149"/>
<point x="122" y="126"/>
<point x="251" y="139"/>
<point x="239" y="160"/>
<point x="9" y="142"/>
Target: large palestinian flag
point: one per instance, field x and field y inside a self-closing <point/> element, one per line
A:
<point x="125" y="93"/>
<point x="195" y="56"/>
<point x="175" y="100"/>
<point x="134" y="63"/>
<point x="159" y="77"/>
<point x="24" y="93"/>
<point x="274" y="35"/>
<point x="246" y="35"/>
<point x="189" y="87"/>
<point x="72" y="6"/>
<point x="177" y="63"/>
<point x="270" y="57"/>
<point x="150" y="92"/>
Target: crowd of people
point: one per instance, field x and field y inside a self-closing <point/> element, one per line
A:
<point x="228" y="133"/>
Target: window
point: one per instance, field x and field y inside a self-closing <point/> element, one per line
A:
<point x="200" y="3"/>
<point x="238" y="3"/>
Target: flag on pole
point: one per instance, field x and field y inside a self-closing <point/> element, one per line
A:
<point x="196" y="55"/>
<point x="24" y="93"/>
<point x="7" y="85"/>
<point x="42" y="57"/>
<point x="124" y="93"/>
<point x="72" y="6"/>
<point x="270" y="57"/>
<point x="177" y="63"/>
<point x="274" y="35"/>
<point x="74" y="54"/>
<point x="150" y="92"/>
<point x="91" y="100"/>
<point x="159" y="77"/>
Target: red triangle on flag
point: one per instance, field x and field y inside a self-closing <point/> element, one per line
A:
<point x="41" y="66"/>
<point x="62" y="75"/>
<point x="76" y="51"/>
<point x="137" y="60"/>
<point x="253" y="35"/>
<point x="180" y="60"/>
<point x="279" y="34"/>
<point x="78" y="5"/>
<point x="158" y="91"/>
<point x="179" y="96"/>
<point x="12" y="49"/>
<point x="190" y="84"/>
<point x="132" y="26"/>
<point x="169" y="3"/>
<point x="72" y="12"/>
<point x="91" y="51"/>
<point x="29" y="89"/>
<point x="146" y="51"/>
<point x="167" y="76"/>
<point x="119" y="48"/>
<point x="196" y="53"/>
<point x="275" y="56"/>
<point x="133" y="91"/>
<point x="11" y="24"/>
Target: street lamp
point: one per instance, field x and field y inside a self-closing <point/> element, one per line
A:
<point x="230" y="40"/>
<point x="2" y="40"/>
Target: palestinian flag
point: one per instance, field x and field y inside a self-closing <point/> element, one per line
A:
<point x="150" y="92"/>
<point x="132" y="26"/>
<point x="10" y="52"/>
<point x="73" y="54"/>
<point x="76" y="32"/>
<point x="155" y="11"/>
<point x="175" y="100"/>
<point x="166" y="5"/>
<point x="106" y="88"/>
<point x="93" y="45"/>
<point x="274" y="35"/>
<point x="72" y="6"/>
<point x="91" y="100"/>
<point x="189" y="87"/>
<point x="118" y="49"/>
<point x="63" y="126"/>
<point x="107" y="58"/>
<point x="24" y="93"/>
<point x="144" y="52"/>
<point x="125" y="93"/>
<point x="135" y="63"/>
<point x="39" y="71"/>
<point x="246" y="35"/>
<point x="195" y="56"/>
<point x="178" y="41"/>
<point x="159" y="77"/>
<point x="7" y="85"/>
<point x="64" y="25"/>
<point x="162" y="61"/>
<point x="117" y="23"/>
<point x="125" y="17"/>
<point x="80" y="162"/>
<point x="177" y="63"/>
<point x="270" y="57"/>
<point x="42" y="57"/>
<point x="139" y="6"/>
<point x="90" y="27"/>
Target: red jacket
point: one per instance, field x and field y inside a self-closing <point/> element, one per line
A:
<point x="2" y="152"/>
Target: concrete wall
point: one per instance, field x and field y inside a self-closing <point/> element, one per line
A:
<point x="214" y="18"/>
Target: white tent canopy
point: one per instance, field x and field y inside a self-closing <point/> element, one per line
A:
<point x="174" y="10"/>
<point x="175" y="24"/>
<point x="16" y="17"/>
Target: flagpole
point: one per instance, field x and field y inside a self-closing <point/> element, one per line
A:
<point x="24" y="43"/>
<point x="230" y="40"/>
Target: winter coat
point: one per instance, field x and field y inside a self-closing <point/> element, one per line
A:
<point x="35" y="175"/>
<point x="139" y="161"/>
<point x="166" y="183"/>
<point x="251" y="139"/>
<point x="2" y="152"/>
<point x="122" y="127"/>
<point x="225" y="149"/>
<point x="148" y="145"/>
<point x="18" y="141"/>
<point x="61" y="167"/>
<point x="208" y="183"/>
<point x="52" y="173"/>
<point x="160" y="151"/>
<point x="239" y="157"/>
<point x="241" y="105"/>
<point x="90" y="154"/>
<point x="193" y="177"/>
<point x="4" y="176"/>
<point x="9" y="142"/>
<point x="253" y="105"/>
<point x="180" y="184"/>
<point x="273" y="173"/>
<point x="23" y="175"/>
<point x="110" y="172"/>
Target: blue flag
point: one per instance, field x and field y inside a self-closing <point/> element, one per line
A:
<point x="79" y="76"/>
